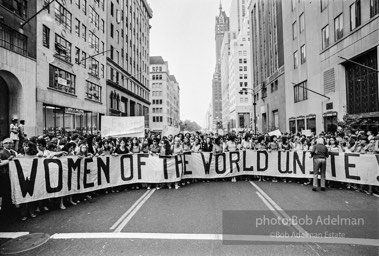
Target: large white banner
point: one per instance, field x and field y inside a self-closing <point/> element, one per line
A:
<point x="123" y="126"/>
<point x="38" y="178"/>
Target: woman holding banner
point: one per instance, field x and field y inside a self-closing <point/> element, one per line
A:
<point x="176" y="149"/>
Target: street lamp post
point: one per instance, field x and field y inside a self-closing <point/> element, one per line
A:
<point x="254" y="93"/>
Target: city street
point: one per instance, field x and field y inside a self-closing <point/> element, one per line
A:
<point x="189" y="221"/>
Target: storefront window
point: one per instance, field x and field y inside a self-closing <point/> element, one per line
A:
<point x="300" y="124"/>
<point x="311" y="124"/>
<point x="94" y="123"/>
<point x="292" y="125"/>
<point x="60" y="120"/>
<point x="330" y="123"/>
<point x="88" y="122"/>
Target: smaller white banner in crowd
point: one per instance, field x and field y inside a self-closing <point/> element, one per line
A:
<point x="123" y="126"/>
<point x="35" y="179"/>
<point x="307" y="133"/>
<point x="277" y="133"/>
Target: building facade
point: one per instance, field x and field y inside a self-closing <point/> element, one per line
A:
<point x="237" y="14"/>
<point x="337" y="58"/>
<point x="70" y="67"/>
<point x="221" y="26"/>
<point x="240" y="104"/>
<point x="127" y="72"/>
<point x="208" y="125"/>
<point x="165" y="98"/>
<point x="18" y="54"/>
<point x="225" y="53"/>
<point x="268" y="78"/>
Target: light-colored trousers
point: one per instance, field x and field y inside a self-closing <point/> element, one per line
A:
<point x="319" y="165"/>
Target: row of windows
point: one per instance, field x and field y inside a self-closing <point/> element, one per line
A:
<point x="157" y="102"/>
<point x="296" y="57"/>
<point x="157" y="119"/>
<point x="157" y="69"/>
<point x="61" y="80"/>
<point x="18" y="7"/>
<point x="13" y="40"/>
<point x="300" y="124"/>
<point x="244" y="61"/>
<point x="157" y="77"/>
<point x="243" y="76"/>
<point x="355" y="21"/>
<point x="93" y="91"/>
<point x="63" y="51"/>
<point x="157" y="93"/>
<point x="244" y="100"/>
<point x="64" y="81"/>
<point x="301" y="26"/>
<point x="118" y="78"/>
<point x="157" y="110"/>
<point x="300" y="92"/>
<point x="242" y="68"/>
<point x="156" y="85"/>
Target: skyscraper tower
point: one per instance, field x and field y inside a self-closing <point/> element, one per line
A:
<point x="221" y="26"/>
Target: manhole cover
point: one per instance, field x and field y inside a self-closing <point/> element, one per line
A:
<point x="23" y="243"/>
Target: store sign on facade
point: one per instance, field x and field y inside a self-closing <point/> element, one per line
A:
<point x="74" y="111"/>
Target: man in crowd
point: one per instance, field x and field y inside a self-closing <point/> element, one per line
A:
<point x="7" y="154"/>
<point x="319" y="154"/>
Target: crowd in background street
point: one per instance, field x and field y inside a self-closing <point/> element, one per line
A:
<point x="74" y="144"/>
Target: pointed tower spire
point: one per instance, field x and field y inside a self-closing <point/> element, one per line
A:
<point x="220" y="6"/>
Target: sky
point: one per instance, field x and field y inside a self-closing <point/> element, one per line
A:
<point x="183" y="33"/>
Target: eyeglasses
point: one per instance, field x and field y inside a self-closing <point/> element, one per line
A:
<point x="8" y="143"/>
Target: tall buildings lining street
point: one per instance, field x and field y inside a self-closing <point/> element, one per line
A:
<point x="222" y="25"/>
<point x="165" y="114"/>
<point x="64" y="64"/>
<point x="302" y="75"/>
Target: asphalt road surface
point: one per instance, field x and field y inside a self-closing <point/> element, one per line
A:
<point x="215" y="218"/>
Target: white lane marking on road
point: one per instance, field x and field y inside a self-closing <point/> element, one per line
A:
<point x="130" y="215"/>
<point x="130" y="209"/>
<point x="280" y="210"/>
<point x="269" y="205"/>
<point x="219" y="237"/>
<point x="12" y="234"/>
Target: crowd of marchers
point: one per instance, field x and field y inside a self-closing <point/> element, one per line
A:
<point x="74" y="144"/>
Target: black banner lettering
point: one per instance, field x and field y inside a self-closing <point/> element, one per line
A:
<point x="72" y="166"/>
<point x="349" y="165"/>
<point x="259" y="168"/>
<point x="217" y="156"/>
<point x="333" y="162"/>
<point x="26" y="184"/>
<point x="185" y="162"/>
<point x="207" y="165"/>
<point x="236" y="161"/>
<point x="130" y="157"/>
<point x="246" y="169"/>
<point x="296" y="161"/>
<point x="101" y="166"/>
<point x="287" y="170"/>
<point x="140" y="163"/>
<point x="165" y="171"/>
<point x="86" y="172"/>
<point x="46" y="164"/>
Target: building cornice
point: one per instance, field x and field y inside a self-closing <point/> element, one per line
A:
<point x="130" y="76"/>
<point x="124" y="90"/>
